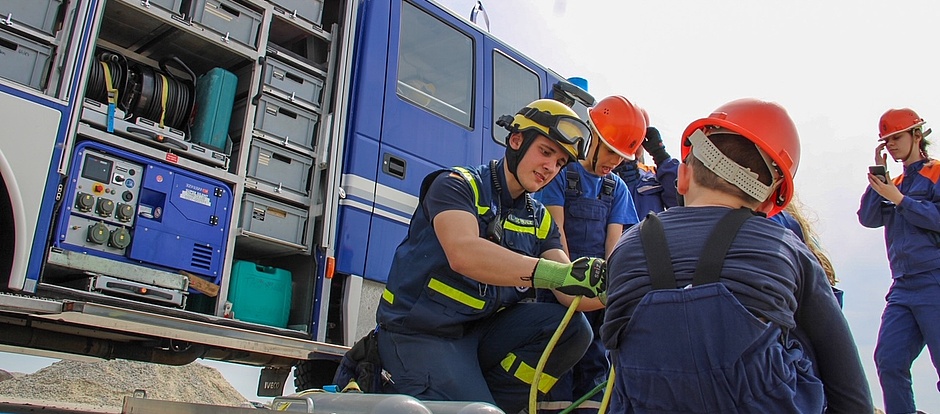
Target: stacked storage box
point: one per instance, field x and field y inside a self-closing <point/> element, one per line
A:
<point x="310" y="10"/>
<point x="231" y="20"/>
<point x="23" y="58"/>
<point x="40" y="15"/>
<point x="282" y="154"/>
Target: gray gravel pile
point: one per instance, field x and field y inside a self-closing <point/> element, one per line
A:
<point x="106" y="383"/>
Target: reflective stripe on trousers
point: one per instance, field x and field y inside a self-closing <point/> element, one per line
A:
<point x="493" y="362"/>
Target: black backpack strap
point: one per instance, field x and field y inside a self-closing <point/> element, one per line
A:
<point x="607" y="190"/>
<point x="658" y="259"/>
<point x="573" y="183"/>
<point x="719" y="241"/>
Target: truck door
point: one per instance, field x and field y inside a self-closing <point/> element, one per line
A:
<point x="513" y="82"/>
<point x="429" y="119"/>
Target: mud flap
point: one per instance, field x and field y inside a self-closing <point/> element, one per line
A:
<point x="271" y="382"/>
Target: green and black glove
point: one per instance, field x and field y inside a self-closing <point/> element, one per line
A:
<point x="585" y="276"/>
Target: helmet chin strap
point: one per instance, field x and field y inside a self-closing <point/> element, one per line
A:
<point x="514" y="156"/>
<point x="597" y="150"/>
<point x="910" y="153"/>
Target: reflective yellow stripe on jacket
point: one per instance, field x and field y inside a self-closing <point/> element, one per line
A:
<point x="481" y="209"/>
<point x="444" y="289"/>
<point x="455" y="294"/>
<point x="541" y="232"/>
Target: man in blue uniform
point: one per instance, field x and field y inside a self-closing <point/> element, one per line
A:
<point x="909" y="209"/>
<point x="450" y="323"/>
<point x="700" y="310"/>
<point x="591" y="206"/>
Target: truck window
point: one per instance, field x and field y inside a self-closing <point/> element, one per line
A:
<point x="435" y="66"/>
<point x="514" y="86"/>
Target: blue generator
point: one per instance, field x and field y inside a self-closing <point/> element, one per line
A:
<point x="134" y="209"/>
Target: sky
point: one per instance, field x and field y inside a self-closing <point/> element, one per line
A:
<point x="835" y="65"/>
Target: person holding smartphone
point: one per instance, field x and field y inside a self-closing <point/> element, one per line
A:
<point x="908" y="207"/>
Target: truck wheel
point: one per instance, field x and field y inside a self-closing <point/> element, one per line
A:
<point x="313" y="374"/>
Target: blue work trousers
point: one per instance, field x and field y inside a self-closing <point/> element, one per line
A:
<point x="493" y="362"/>
<point x="910" y="321"/>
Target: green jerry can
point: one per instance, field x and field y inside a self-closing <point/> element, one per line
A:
<point x="260" y="294"/>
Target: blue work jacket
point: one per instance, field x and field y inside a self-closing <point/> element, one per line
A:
<point x="912" y="228"/>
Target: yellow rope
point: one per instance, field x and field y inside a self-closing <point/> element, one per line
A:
<point x="607" y="392"/>
<point x="534" y="389"/>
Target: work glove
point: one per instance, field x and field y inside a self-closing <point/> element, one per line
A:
<point x="653" y="144"/>
<point x="629" y="172"/>
<point x="585" y="276"/>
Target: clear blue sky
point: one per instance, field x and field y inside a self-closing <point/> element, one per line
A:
<point x="835" y="65"/>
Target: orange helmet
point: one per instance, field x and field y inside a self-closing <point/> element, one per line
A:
<point x="898" y="120"/>
<point x="770" y="128"/>
<point x="619" y="124"/>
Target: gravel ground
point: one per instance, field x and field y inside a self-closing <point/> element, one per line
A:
<point x="106" y="383"/>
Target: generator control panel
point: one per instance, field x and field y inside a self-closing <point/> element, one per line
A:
<point x="102" y="202"/>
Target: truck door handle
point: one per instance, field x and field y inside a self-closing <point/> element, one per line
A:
<point x="394" y="166"/>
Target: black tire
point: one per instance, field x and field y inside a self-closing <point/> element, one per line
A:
<point x="314" y="373"/>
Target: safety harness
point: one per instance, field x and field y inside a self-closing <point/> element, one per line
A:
<point x="710" y="262"/>
<point x="573" y="187"/>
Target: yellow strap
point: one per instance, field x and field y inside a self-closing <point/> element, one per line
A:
<point x="526" y="373"/>
<point x="481" y="209"/>
<point x="163" y="99"/>
<point x="456" y="295"/>
<point x="108" y="84"/>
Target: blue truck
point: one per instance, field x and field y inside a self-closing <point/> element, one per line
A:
<point x="228" y="179"/>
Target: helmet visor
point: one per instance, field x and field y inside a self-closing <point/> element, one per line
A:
<point x="565" y="129"/>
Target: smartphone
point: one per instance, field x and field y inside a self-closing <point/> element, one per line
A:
<point x="880" y="172"/>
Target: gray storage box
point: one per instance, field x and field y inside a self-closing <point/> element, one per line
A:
<point x="37" y="14"/>
<point x="273" y="219"/>
<point x="231" y="20"/>
<point x="310" y="10"/>
<point x="22" y="60"/>
<point x="295" y="84"/>
<point x="171" y="5"/>
<point x="284" y="122"/>
<point x="279" y="170"/>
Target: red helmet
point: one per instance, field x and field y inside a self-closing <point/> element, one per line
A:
<point x="768" y="126"/>
<point x="619" y="124"/>
<point x="898" y="120"/>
